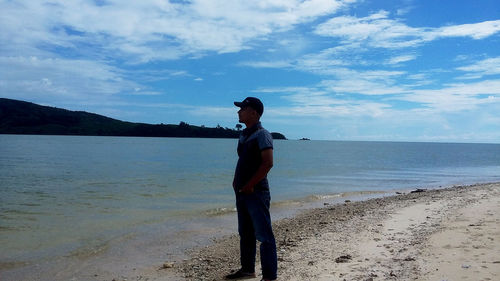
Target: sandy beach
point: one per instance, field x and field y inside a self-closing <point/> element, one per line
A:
<point x="436" y="234"/>
<point x="445" y="234"/>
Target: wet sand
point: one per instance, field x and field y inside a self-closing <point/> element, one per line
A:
<point x="445" y="234"/>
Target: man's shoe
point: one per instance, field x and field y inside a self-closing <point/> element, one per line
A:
<point x="240" y="274"/>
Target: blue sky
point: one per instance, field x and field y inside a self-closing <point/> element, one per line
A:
<point x="403" y="70"/>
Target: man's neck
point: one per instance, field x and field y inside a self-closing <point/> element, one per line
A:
<point x="252" y="123"/>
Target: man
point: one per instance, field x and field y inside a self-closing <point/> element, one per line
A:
<point x="255" y="151"/>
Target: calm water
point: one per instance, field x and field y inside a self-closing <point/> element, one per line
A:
<point x="66" y="196"/>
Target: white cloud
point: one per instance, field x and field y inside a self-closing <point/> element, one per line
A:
<point x="362" y="87"/>
<point x="490" y="66"/>
<point x="281" y="90"/>
<point x="267" y="64"/>
<point x="400" y="59"/>
<point x="418" y="76"/>
<point x="350" y="81"/>
<point x="476" y="30"/>
<point x="325" y="60"/>
<point x="321" y="102"/>
<point x="154" y="75"/>
<point x="434" y="115"/>
<point x="378" y="30"/>
<point x="332" y="98"/>
<point x="456" y="97"/>
<point x="142" y="92"/>
<point x="61" y="78"/>
<point x="404" y="11"/>
<point x="373" y="82"/>
<point x="151" y="29"/>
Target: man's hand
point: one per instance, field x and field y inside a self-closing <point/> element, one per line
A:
<point x="247" y="189"/>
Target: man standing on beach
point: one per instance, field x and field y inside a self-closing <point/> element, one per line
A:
<point x="255" y="152"/>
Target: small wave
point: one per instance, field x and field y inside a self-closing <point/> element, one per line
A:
<point x="90" y="250"/>
<point x="7" y="265"/>
<point x="324" y="196"/>
<point x="220" y="211"/>
<point x="309" y="199"/>
<point x="7" y="228"/>
<point x="30" y="204"/>
<point x="22" y="212"/>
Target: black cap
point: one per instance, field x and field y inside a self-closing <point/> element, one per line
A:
<point x="252" y="102"/>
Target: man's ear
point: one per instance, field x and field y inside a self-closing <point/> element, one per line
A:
<point x="255" y="114"/>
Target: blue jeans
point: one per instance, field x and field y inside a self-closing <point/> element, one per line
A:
<point x="254" y="223"/>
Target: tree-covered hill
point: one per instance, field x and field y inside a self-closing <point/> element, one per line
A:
<point x="20" y="117"/>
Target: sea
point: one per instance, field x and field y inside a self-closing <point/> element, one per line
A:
<point x="75" y="206"/>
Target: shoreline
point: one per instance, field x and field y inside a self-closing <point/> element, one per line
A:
<point x="391" y="238"/>
<point x="312" y="236"/>
<point x="125" y="255"/>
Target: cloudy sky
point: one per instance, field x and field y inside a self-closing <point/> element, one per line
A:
<point x="406" y="70"/>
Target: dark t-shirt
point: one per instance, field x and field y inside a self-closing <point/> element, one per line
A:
<point x="250" y="145"/>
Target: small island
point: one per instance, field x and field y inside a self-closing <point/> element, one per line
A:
<point x="26" y="118"/>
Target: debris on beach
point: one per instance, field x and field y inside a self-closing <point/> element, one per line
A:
<point x="167" y="265"/>
<point x="343" y="259"/>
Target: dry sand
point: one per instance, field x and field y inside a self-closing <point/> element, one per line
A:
<point x="446" y="234"/>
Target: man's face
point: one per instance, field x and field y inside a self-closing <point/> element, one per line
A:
<point x="245" y="114"/>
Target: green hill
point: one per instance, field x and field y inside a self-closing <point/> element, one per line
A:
<point x="20" y="117"/>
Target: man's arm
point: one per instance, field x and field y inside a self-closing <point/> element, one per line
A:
<point x="264" y="168"/>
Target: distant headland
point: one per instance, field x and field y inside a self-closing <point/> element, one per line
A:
<point x="26" y="118"/>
